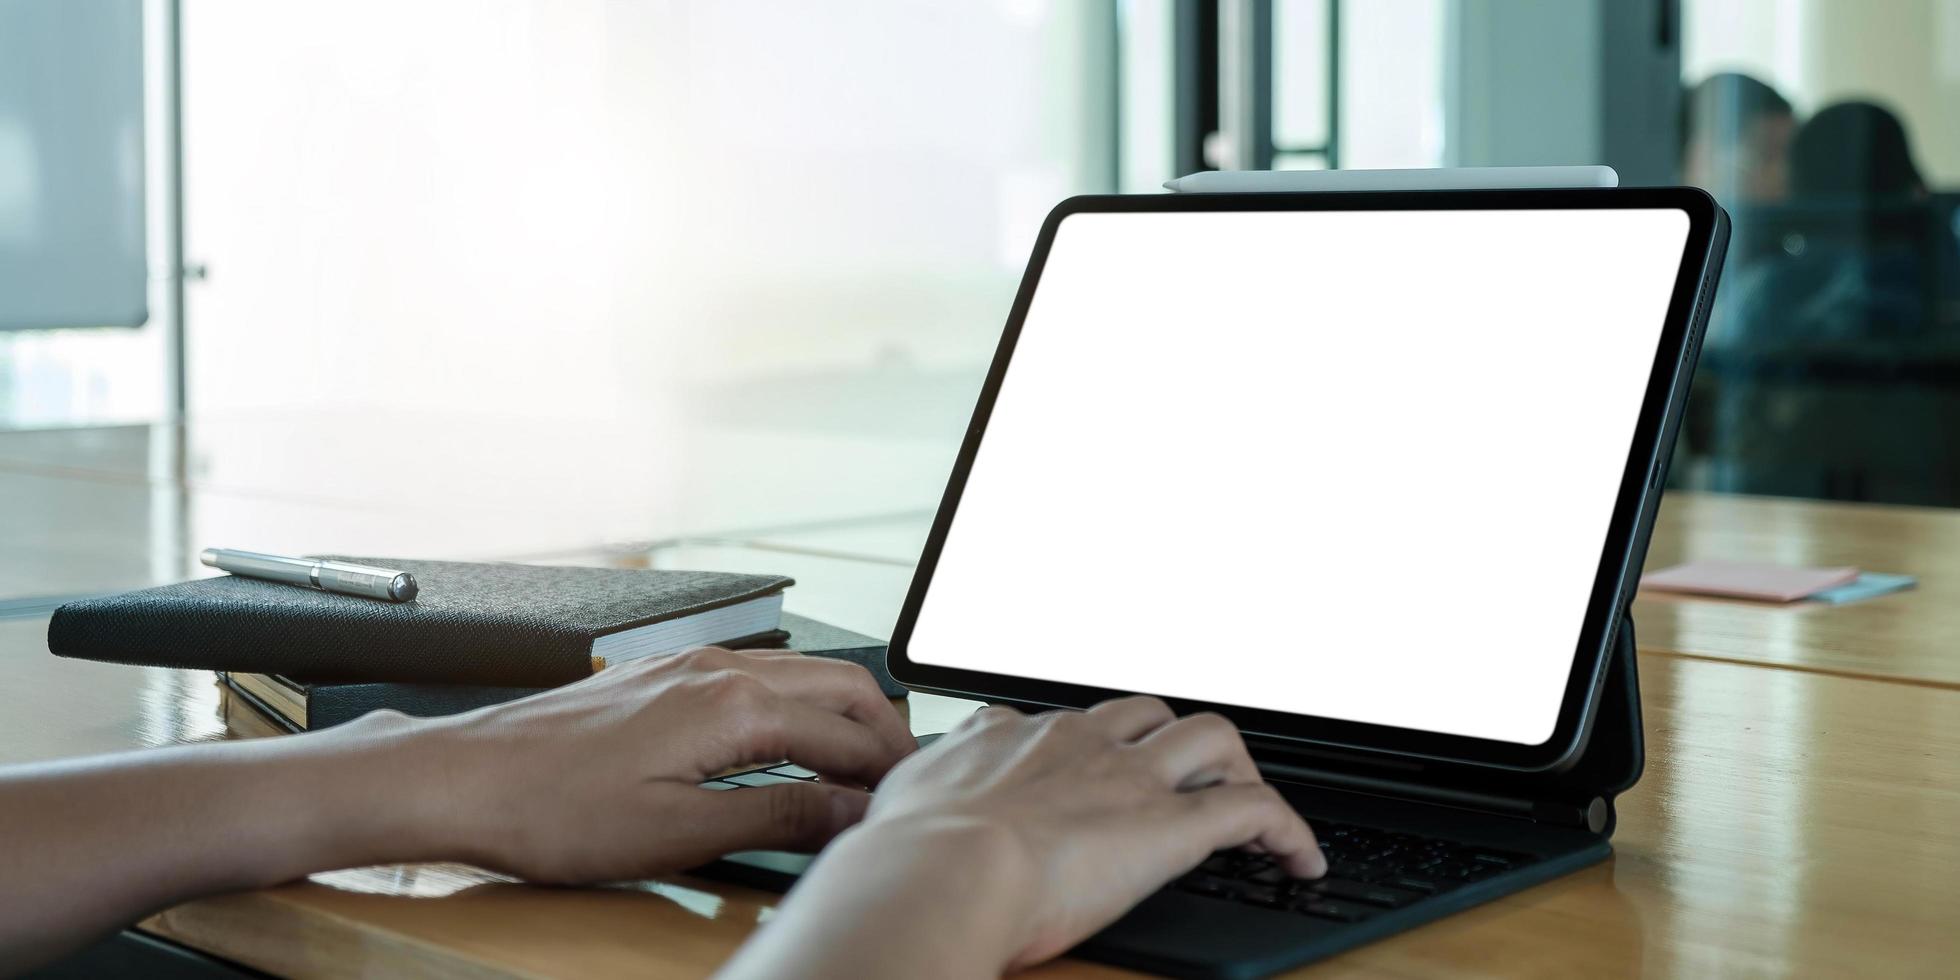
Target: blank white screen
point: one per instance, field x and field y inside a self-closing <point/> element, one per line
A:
<point x="1355" y="465"/>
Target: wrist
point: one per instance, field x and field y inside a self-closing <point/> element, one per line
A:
<point x="380" y="789"/>
<point x="888" y="896"/>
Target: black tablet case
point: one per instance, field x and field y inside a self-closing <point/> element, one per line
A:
<point x="1581" y="795"/>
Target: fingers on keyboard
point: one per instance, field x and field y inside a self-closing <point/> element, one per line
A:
<point x="1369" y="872"/>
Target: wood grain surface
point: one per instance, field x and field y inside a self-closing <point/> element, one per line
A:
<point x="1910" y="636"/>
<point x="1789" y="823"/>
<point x="1800" y="813"/>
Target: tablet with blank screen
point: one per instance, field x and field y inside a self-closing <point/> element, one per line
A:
<point x="1366" y="469"/>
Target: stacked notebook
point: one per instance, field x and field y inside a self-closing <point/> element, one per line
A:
<point x="296" y="705"/>
<point x="476" y="634"/>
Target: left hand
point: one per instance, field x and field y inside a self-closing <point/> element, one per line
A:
<point x="598" y="781"/>
<point x="595" y="781"/>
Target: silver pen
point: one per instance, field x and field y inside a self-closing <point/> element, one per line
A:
<point x="343" y="577"/>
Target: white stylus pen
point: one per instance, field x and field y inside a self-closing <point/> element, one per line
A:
<point x="1436" y="179"/>
<point x="345" y="578"/>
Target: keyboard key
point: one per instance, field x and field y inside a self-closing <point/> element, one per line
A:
<point x="1420" y="885"/>
<point x="1337" y="911"/>
<point x="718" y="785"/>
<point x="1355" y="870"/>
<point x="1260" y="895"/>
<point x="760" y="779"/>
<point x="792" y="769"/>
<point x="1355" y="891"/>
<point x="1408" y="864"/>
<point x="1269" y="876"/>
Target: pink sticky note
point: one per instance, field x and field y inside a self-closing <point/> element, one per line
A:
<point x="1747" y="580"/>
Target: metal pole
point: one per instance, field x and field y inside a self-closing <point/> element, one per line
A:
<point x="170" y="505"/>
<point x="1245" y="83"/>
<point x="173" y="124"/>
<point x="1333" y="84"/>
<point x="1189" y="85"/>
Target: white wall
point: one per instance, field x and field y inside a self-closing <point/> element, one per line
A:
<point x="564" y="208"/>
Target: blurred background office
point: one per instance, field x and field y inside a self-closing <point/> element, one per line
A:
<point x="534" y="278"/>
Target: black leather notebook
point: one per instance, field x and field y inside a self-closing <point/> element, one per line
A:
<point x="298" y="704"/>
<point x="472" y="623"/>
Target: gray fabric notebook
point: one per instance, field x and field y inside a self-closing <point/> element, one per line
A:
<point x="472" y="623"/>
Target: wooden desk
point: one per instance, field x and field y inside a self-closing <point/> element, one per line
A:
<point x="108" y="508"/>
<point x="1754" y="844"/>
<point x="1800" y="812"/>
<point x="1910" y="636"/>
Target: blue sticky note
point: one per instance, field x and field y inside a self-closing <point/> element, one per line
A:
<point x="1867" y="585"/>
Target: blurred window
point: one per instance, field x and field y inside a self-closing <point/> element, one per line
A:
<point x="578" y="209"/>
<point x="1832" y="366"/>
<point x="761" y="224"/>
<point x="1357" y="84"/>
<point x="594" y="202"/>
<point x="76" y="344"/>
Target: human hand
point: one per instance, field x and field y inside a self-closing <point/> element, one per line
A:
<point x="1103" y="807"/>
<point x="598" y="780"/>
<point x="1015" y="837"/>
<point x="589" y="782"/>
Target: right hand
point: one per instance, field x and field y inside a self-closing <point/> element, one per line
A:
<point x="1096" y="810"/>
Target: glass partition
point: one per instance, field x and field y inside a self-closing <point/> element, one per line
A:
<point x="1832" y="366"/>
